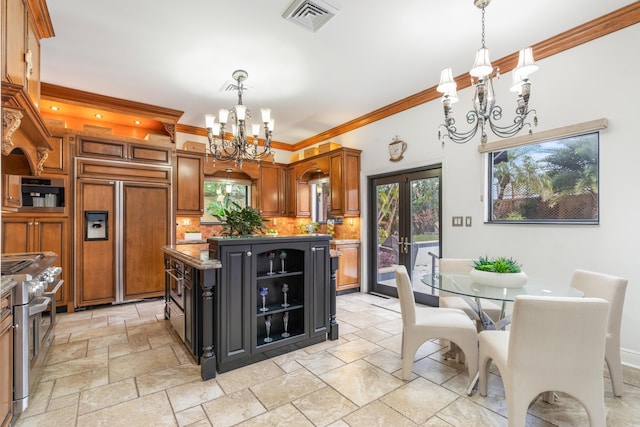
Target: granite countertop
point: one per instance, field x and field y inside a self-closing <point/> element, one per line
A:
<point x="344" y="241"/>
<point x="193" y="254"/>
<point x="7" y="285"/>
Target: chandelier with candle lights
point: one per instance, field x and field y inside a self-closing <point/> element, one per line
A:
<point x="239" y="146"/>
<point x="486" y="113"/>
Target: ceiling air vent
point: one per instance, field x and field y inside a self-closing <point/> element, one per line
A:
<point x="310" y="14"/>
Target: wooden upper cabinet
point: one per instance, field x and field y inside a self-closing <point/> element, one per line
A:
<point x="14" y="45"/>
<point x="272" y="183"/>
<point x="117" y="149"/>
<point x="344" y="181"/>
<point x="58" y="158"/>
<point x="189" y="179"/>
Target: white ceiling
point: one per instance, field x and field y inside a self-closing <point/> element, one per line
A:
<point x="178" y="54"/>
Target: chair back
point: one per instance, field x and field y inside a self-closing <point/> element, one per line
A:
<point x="455" y="265"/>
<point x="610" y="288"/>
<point x="405" y="295"/>
<point x="559" y="340"/>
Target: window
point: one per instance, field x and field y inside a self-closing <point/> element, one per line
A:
<point x="550" y="181"/>
<point x="319" y="200"/>
<point x="221" y="193"/>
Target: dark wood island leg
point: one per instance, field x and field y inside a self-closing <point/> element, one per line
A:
<point x="208" y="358"/>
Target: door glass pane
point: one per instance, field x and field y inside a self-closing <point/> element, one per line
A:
<point x="425" y="228"/>
<point x="387" y="220"/>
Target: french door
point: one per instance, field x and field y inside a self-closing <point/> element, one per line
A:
<point x="404" y="229"/>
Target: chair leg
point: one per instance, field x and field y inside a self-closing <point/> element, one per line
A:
<point x="615" y="370"/>
<point x="517" y="408"/>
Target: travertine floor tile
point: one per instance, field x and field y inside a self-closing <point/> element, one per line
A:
<point x="285" y="415"/>
<point x="285" y="388"/>
<point x="85" y="380"/>
<point x="152" y="410"/>
<point x="167" y="378"/>
<point x="361" y="382"/>
<point x="377" y="414"/>
<point x="107" y="395"/>
<point x="125" y="366"/>
<point x="136" y="364"/>
<point x="419" y="400"/>
<point x="233" y="408"/>
<point x="248" y="376"/>
<point x="324" y="406"/>
<point x="193" y="394"/>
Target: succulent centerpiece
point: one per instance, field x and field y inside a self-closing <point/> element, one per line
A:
<point x="501" y="272"/>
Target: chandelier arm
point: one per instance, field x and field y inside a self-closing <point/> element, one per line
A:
<point x="519" y="122"/>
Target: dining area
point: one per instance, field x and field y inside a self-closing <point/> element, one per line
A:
<point x="542" y="339"/>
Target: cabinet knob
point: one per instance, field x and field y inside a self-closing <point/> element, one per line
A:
<point x="248" y="253"/>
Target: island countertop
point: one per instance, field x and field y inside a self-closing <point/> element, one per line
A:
<point x="195" y="255"/>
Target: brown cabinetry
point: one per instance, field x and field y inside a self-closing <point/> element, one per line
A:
<point x="272" y="184"/>
<point x="120" y="263"/>
<point x="6" y="359"/>
<point x="348" y="274"/>
<point x="189" y="179"/>
<point x="11" y="192"/>
<point x="113" y="149"/>
<point x="344" y="180"/>
<point x="58" y="158"/>
<point x="23" y="233"/>
<point x="299" y="189"/>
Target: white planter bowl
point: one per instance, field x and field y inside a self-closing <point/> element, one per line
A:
<point x="498" y="280"/>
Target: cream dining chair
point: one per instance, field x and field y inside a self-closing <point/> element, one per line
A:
<point x="613" y="289"/>
<point x="421" y="324"/>
<point x="554" y="344"/>
<point x="449" y="300"/>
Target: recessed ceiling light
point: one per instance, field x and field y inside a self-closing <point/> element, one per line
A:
<point x="54" y="108"/>
<point x="138" y="122"/>
<point x="98" y="116"/>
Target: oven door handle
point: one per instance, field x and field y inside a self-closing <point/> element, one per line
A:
<point x="179" y="280"/>
<point x="41" y="305"/>
<point x="52" y="292"/>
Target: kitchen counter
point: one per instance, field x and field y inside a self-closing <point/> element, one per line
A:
<point x="194" y="254"/>
<point x="344" y="241"/>
<point x="7" y="285"/>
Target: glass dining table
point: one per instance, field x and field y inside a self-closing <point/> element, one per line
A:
<point x="474" y="293"/>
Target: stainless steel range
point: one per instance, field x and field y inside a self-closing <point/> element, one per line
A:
<point x="34" y="312"/>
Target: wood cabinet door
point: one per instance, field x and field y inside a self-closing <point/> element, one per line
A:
<point x="14" y="43"/>
<point x="52" y="234"/>
<point x="189" y="184"/>
<point x="319" y="310"/>
<point x="142" y="153"/>
<point x="17" y="234"/>
<point x="233" y="310"/>
<point x="95" y="259"/>
<point x="272" y="190"/>
<point x="11" y="191"/>
<point x="146" y="226"/>
<point x="114" y="150"/>
<point x="348" y="274"/>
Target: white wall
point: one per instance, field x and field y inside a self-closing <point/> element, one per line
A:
<point x="595" y="80"/>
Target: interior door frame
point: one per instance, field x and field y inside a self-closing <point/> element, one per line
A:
<point x="403" y="177"/>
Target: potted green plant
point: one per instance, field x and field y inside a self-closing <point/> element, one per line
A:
<point x="239" y="221"/>
<point x="499" y="272"/>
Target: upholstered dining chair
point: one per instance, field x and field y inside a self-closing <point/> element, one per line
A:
<point x="421" y="324"/>
<point x="449" y="300"/>
<point x="554" y="344"/>
<point x="613" y="289"/>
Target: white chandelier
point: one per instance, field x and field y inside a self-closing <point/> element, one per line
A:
<point x="238" y="147"/>
<point x="485" y="113"/>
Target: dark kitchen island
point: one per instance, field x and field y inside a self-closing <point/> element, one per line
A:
<point x="237" y="301"/>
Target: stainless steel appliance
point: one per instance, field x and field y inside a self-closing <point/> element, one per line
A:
<point x="34" y="310"/>
<point x="175" y="303"/>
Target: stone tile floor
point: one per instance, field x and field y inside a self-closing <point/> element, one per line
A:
<point x="124" y="366"/>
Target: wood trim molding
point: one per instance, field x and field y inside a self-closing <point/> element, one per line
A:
<point x="40" y="12"/>
<point x="195" y="130"/>
<point x="108" y="103"/>
<point x="599" y="27"/>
